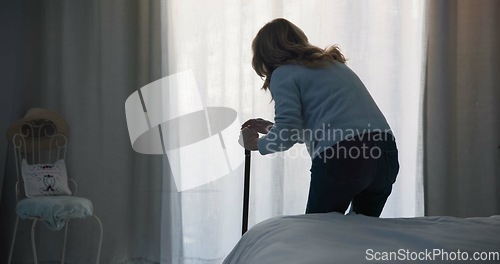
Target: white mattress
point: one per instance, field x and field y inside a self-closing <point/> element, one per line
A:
<point x="335" y="238"/>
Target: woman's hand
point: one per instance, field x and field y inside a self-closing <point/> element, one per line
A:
<point x="250" y="137"/>
<point x="260" y="125"/>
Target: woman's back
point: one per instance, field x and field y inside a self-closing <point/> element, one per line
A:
<point x="334" y="103"/>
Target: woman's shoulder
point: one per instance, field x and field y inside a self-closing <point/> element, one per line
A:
<point x="299" y="67"/>
<point x="288" y="70"/>
<point x="290" y="67"/>
<point x="301" y="70"/>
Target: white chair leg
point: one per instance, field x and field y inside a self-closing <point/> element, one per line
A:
<point x="63" y="258"/>
<point x="100" y="238"/>
<point x="13" y="240"/>
<point x="33" y="246"/>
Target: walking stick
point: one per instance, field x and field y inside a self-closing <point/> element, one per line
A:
<point x="246" y="192"/>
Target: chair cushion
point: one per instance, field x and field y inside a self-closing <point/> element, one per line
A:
<point x="45" y="179"/>
<point x="54" y="210"/>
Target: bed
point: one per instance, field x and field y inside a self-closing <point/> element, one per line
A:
<point x="336" y="238"/>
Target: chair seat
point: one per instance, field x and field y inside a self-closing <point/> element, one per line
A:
<point x="54" y="210"/>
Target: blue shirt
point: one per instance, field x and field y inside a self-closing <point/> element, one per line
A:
<point x="319" y="107"/>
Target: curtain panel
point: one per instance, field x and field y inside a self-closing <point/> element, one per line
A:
<point x="82" y="59"/>
<point x="462" y="113"/>
<point x="385" y="44"/>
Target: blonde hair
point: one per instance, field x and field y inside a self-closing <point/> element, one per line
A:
<point x="281" y="42"/>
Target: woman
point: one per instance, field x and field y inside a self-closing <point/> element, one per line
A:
<point x="323" y="103"/>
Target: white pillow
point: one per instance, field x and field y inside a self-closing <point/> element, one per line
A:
<point x="45" y="179"/>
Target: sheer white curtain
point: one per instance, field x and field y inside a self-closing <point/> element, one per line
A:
<point x="384" y="42"/>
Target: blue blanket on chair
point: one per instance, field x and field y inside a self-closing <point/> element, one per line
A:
<point x="54" y="210"/>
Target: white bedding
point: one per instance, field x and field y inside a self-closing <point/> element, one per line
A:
<point x="335" y="238"/>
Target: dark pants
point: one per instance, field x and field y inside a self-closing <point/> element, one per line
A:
<point x="360" y="170"/>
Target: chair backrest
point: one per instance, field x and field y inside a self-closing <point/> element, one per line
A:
<point x="37" y="142"/>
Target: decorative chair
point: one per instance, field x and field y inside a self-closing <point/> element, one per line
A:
<point x="43" y="190"/>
